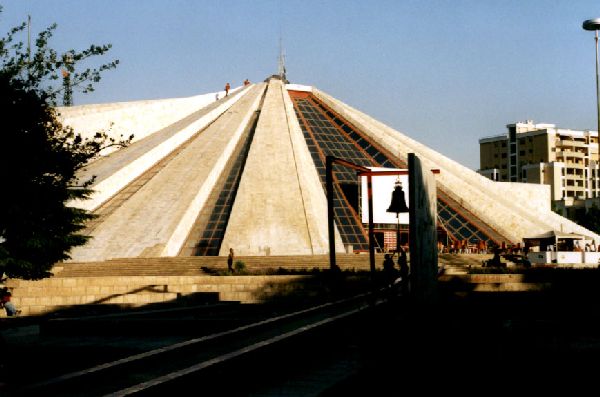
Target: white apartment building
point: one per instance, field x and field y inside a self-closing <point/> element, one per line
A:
<point x="567" y="160"/>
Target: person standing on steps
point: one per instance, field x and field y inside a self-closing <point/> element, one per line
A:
<point x="388" y="270"/>
<point x="404" y="271"/>
<point x="230" y="261"/>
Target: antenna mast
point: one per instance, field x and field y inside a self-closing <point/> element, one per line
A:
<point x="281" y="70"/>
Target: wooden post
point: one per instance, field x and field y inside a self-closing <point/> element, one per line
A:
<point x="329" y="188"/>
<point x="371" y="235"/>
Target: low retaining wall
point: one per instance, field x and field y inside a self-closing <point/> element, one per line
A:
<point x="558" y="281"/>
<point x="53" y="294"/>
<point x="62" y="293"/>
<point x="495" y="283"/>
<point x="562" y="257"/>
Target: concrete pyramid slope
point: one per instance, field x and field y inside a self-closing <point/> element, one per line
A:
<point x="140" y="118"/>
<point x="517" y="210"/>
<point x="247" y="172"/>
<point x="155" y="220"/>
<point x="279" y="207"/>
<point x="115" y="170"/>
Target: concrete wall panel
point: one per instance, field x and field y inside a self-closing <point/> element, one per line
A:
<point x="312" y="191"/>
<point x="186" y="222"/>
<point x="269" y="213"/>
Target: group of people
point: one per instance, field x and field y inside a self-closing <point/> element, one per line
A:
<point x="463" y="247"/>
<point x="480" y="247"/>
<point x="394" y="276"/>
<point x="586" y="248"/>
<point x="228" y="86"/>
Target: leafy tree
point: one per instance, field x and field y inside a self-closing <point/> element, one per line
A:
<point x="39" y="157"/>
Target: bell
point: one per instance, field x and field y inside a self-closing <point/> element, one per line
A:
<point x="398" y="203"/>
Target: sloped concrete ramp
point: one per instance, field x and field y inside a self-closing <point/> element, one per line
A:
<point x="280" y="206"/>
<point x="157" y="218"/>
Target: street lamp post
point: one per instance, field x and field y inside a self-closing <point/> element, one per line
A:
<point x="594" y="24"/>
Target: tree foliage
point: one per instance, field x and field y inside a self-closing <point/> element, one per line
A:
<point x="39" y="157"/>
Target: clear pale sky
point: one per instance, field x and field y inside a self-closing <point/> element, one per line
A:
<point x="445" y="73"/>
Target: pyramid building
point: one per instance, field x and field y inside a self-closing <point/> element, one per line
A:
<point x="247" y="171"/>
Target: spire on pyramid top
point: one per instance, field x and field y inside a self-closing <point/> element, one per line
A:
<point x="281" y="70"/>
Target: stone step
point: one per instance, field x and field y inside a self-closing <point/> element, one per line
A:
<point x="138" y="281"/>
<point x="194" y="265"/>
<point x="456" y="264"/>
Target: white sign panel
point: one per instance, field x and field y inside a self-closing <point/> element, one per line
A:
<point x="383" y="186"/>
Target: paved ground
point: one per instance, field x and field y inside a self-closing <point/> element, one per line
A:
<point x="498" y="342"/>
<point x="501" y="342"/>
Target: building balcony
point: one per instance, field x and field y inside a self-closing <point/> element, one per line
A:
<point x="579" y="166"/>
<point x="571" y="164"/>
<point x="577" y="177"/>
<point x="570" y="153"/>
<point x="576" y="189"/>
<point x="570" y="143"/>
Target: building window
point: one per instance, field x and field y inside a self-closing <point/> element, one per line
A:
<point x="503" y="144"/>
<point x="522" y="153"/>
<point x="503" y="155"/>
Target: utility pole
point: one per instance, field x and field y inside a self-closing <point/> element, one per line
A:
<point x="28" y="44"/>
<point x="594" y="25"/>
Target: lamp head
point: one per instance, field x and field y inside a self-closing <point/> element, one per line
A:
<point x="592" y="24"/>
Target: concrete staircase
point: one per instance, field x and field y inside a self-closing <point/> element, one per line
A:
<point x="204" y="265"/>
<point x="135" y="282"/>
<point x="460" y="264"/>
